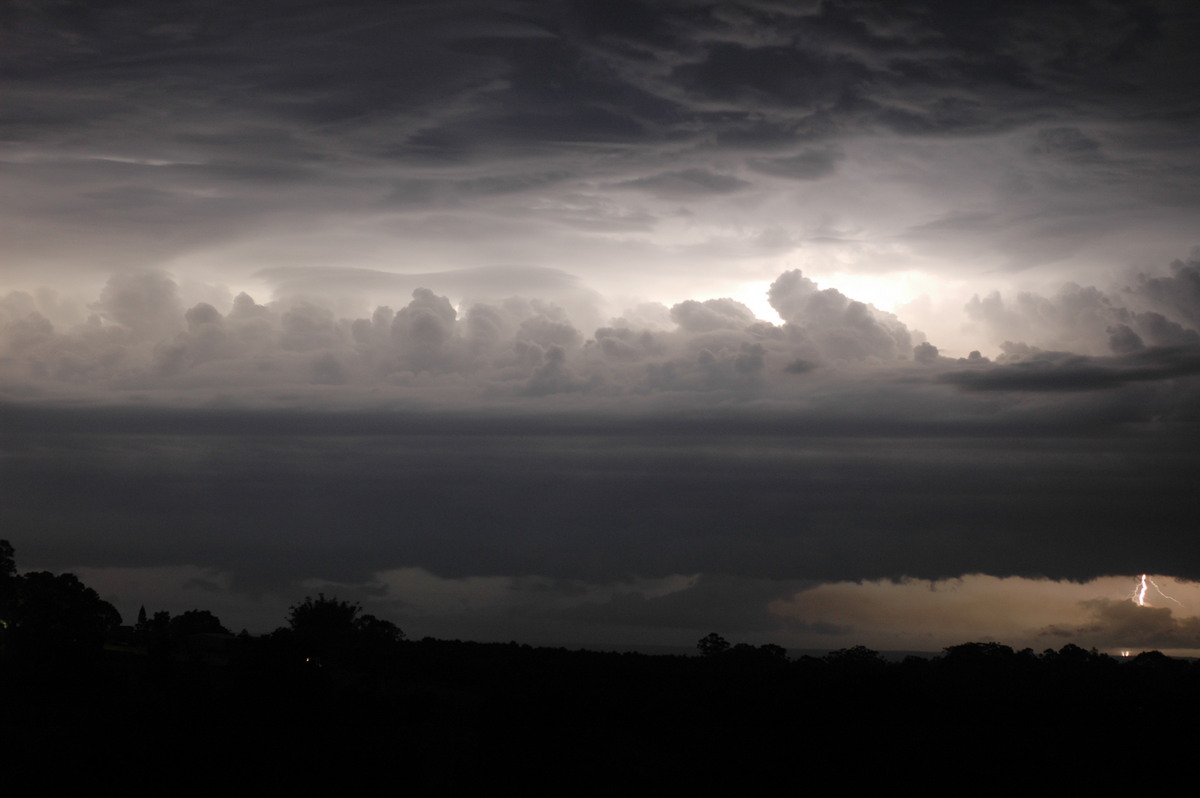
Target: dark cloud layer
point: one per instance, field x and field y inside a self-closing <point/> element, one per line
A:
<point x="141" y="132"/>
<point x="286" y="497"/>
<point x="1060" y="371"/>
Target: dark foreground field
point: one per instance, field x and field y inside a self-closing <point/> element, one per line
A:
<point x="339" y="702"/>
<point x="436" y="716"/>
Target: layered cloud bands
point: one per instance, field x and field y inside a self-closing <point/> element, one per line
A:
<point x="500" y="440"/>
<point x="293" y="292"/>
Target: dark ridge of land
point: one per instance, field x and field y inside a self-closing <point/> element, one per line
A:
<point x="338" y="700"/>
<point x="451" y="715"/>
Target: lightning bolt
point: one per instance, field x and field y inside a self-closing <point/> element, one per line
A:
<point x="1143" y="586"/>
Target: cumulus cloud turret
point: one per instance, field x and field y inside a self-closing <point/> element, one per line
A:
<point x="1152" y="311"/>
<point x="146" y="303"/>
<point x="712" y="314"/>
<point x="140" y="334"/>
<point x="836" y="325"/>
<point x="514" y="346"/>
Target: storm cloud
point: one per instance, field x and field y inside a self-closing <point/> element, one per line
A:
<point x="585" y="321"/>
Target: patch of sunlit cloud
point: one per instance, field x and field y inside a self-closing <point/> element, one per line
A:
<point x="1038" y="613"/>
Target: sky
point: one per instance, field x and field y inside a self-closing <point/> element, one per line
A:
<point x="610" y="323"/>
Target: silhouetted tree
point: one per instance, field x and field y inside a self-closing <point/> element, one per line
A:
<point x="1156" y="660"/>
<point x="163" y="634"/>
<point x="8" y="565"/>
<point x="856" y="659"/>
<point x="159" y="624"/>
<point x="980" y="658"/>
<point x="378" y="631"/>
<point x="196" y="622"/>
<point x="712" y="644"/>
<point x="975" y="652"/>
<point x="327" y="629"/>
<point x="57" y="619"/>
<point x="324" y="622"/>
<point x="8" y="584"/>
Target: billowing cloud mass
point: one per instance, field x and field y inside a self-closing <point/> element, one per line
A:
<point x="1148" y="311"/>
<point x="139" y="334"/>
<point x="609" y="323"/>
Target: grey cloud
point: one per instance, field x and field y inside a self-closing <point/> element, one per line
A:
<point x="1125" y="625"/>
<point x="277" y="498"/>
<point x="550" y="330"/>
<point x="757" y="132"/>
<point x="1163" y="332"/>
<point x="427" y="193"/>
<point x="495" y="346"/>
<point x="1062" y="371"/>
<point x="487" y="327"/>
<point x="721" y="366"/>
<point x="906" y="67"/>
<point x="1177" y="294"/>
<point x="533" y="347"/>
<point x="477" y="284"/>
<point x="799" y="366"/>
<point x="734" y="605"/>
<point x="837" y="326"/>
<point x="772" y="76"/>
<point x="145" y="303"/>
<point x="305" y="326"/>
<point x="328" y="370"/>
<point x="762" y="57"/>
<point x="1087" y="320"/>
<point x="594" y="213"/>
<point x="17" y="305"/>
<point x="551" y="375"/>
<point x="201" y="315"/>
<point x="27" y="334"/>
<point x="941" y="116"/>
<point x="687" y="182"/>
<point x="205" y="339"/>
<point x="1067" y="142"/>
<point x="712" y="314"/>
<point x="1123" y="340"/>
<point x="925" y="352"/>
<point x="646" y="315"/>
<point x="1077" y="318"/>
<point x="424" y="329"/>
<point x="808" y="165"/>
<point x="623" y="343"/>
<point x="245" y="137"/>
<point x="959" y="221"/>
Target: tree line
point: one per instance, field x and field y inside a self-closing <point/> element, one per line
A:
<point x="338" y="690"/>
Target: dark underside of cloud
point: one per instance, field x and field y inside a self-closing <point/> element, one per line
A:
<point x="1061" y="371"/>
<point x="276" y="498"/>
